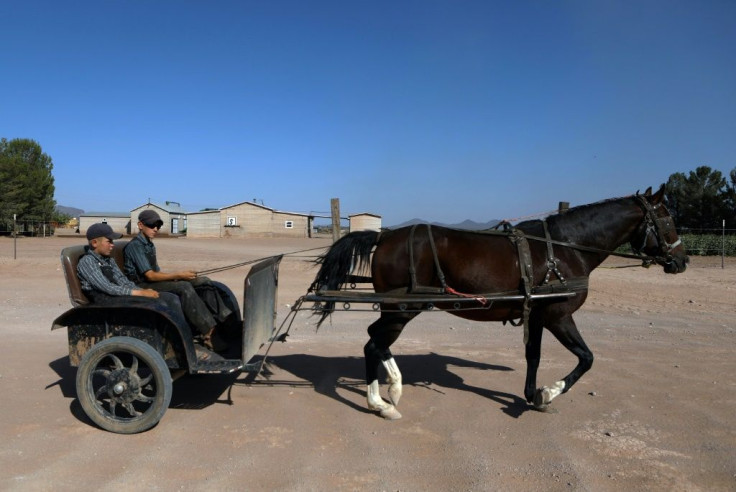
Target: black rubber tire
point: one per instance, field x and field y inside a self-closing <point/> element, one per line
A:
<point x="124" y="385"/>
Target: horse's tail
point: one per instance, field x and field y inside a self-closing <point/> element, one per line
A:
<point x="350" y="253"/>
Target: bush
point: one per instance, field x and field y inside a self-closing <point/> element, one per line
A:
<point x="709" y="244"/>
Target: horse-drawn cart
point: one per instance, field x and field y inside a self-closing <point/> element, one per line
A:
<point x="535" y="274"/>
<point x="128" y="353"/>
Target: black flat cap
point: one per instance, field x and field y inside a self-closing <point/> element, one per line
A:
<point x="150" y="218"/>
<point x="102" y="230"/>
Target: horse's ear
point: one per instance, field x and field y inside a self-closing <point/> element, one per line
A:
<point x="648" y="192"/>
<point x="659" y="196"/>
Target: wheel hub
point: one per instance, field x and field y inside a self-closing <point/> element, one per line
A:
<point x="123" y="386"/>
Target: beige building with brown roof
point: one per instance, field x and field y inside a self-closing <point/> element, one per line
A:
<point x="248" y="219"/>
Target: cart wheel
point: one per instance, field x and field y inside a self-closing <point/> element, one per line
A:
<point x="124" y="385"/>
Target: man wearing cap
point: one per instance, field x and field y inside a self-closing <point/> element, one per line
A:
<point x="141" y="267"/>
<point x="98" y="273"/>
<point x="101" y="279"/>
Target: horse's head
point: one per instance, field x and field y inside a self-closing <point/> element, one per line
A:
<point x="656" y="237"/>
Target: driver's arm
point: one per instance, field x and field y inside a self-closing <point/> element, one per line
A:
<point x="154" y="276"/>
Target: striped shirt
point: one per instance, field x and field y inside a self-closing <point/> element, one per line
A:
<point x="91" y="276"/>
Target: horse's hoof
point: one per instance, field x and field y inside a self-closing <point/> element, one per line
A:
<point x="390" y="413"/>
<point x="394" y="396"/>
<point x="539" y="400"/>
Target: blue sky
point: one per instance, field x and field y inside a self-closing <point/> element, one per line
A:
<point x="441" y="110"/>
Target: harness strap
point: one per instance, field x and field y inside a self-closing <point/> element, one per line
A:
<point x="579" y="247"/>
<point x="440" y="274"/>
<point x="526" y="271"/>
<point x="527" y="275"/>
<point x="553" y="263"/>
<point x="412" y="267"/>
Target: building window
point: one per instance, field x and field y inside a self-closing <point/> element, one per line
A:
<point x="231" y="222"/>
<point x="289" y="224"/>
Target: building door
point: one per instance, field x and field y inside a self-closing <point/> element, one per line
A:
<point x="175" y="226"/>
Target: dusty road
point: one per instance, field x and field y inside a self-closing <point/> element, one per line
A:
<point x="656" y="412"/>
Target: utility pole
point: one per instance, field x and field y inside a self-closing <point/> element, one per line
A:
<point x="335" y="208"/>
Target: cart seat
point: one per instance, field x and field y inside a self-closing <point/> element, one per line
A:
<point x="70" y="259"/>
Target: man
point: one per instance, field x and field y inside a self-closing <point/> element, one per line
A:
<point x="141" y="267"/>
<point x="99" y="275"/>
<point x="101" y="278"/>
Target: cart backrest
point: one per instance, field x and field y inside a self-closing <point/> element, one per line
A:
<point x="70" y="259"/>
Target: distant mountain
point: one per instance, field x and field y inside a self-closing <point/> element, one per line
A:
<point x="70" y="211"/>
<point x="468" y="225"/>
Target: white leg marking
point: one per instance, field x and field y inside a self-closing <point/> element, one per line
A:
<point x="376" y="403"/>
<point x="394" y="380"/>
<point x="548" y="394"/>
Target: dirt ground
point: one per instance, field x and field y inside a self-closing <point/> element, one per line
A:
<point x="656" y="412"/>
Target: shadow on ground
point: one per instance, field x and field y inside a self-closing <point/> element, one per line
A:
<point x="430" y="371"/>
<point x="325" y="374"/>
<point x="190" y="392"/>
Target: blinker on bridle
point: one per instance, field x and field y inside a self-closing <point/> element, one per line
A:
<point x="656" y="225"/>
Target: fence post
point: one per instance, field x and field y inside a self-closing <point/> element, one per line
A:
<point x="335" y="207"/>
<point x="15" y="239"/>
<point x="723" y="244"/>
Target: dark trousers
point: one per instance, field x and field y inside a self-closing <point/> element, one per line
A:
<point x="171" y="301"/>
<point x="202" y="305"/>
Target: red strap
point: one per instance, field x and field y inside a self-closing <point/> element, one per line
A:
<point x="480" y="299"/>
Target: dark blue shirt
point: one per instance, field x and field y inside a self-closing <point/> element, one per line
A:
<point x="140" y="257"/>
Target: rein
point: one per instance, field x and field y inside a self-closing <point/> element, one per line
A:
<point x="244" y="263"/>
<point x="654" y="225"/>
<point x="590" y="249"/>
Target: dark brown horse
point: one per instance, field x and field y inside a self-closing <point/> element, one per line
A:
<point x="556" y="254"/>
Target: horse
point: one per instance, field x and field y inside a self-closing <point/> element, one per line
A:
<point x="555" y="254"/>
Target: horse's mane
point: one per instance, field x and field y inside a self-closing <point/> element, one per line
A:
<point x="570" y="221"/>
<point x="595" y="204"/>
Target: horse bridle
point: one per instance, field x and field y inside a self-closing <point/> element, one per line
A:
<point x="656" y="226"/>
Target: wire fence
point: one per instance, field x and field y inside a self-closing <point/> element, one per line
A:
<point x="709" y="242"/>
<point x="29" y="228"/>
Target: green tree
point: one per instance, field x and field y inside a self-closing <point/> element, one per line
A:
<point x="702" y="199"/>
<point x="731" y="199"/>
<point x="26" y="183"/>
